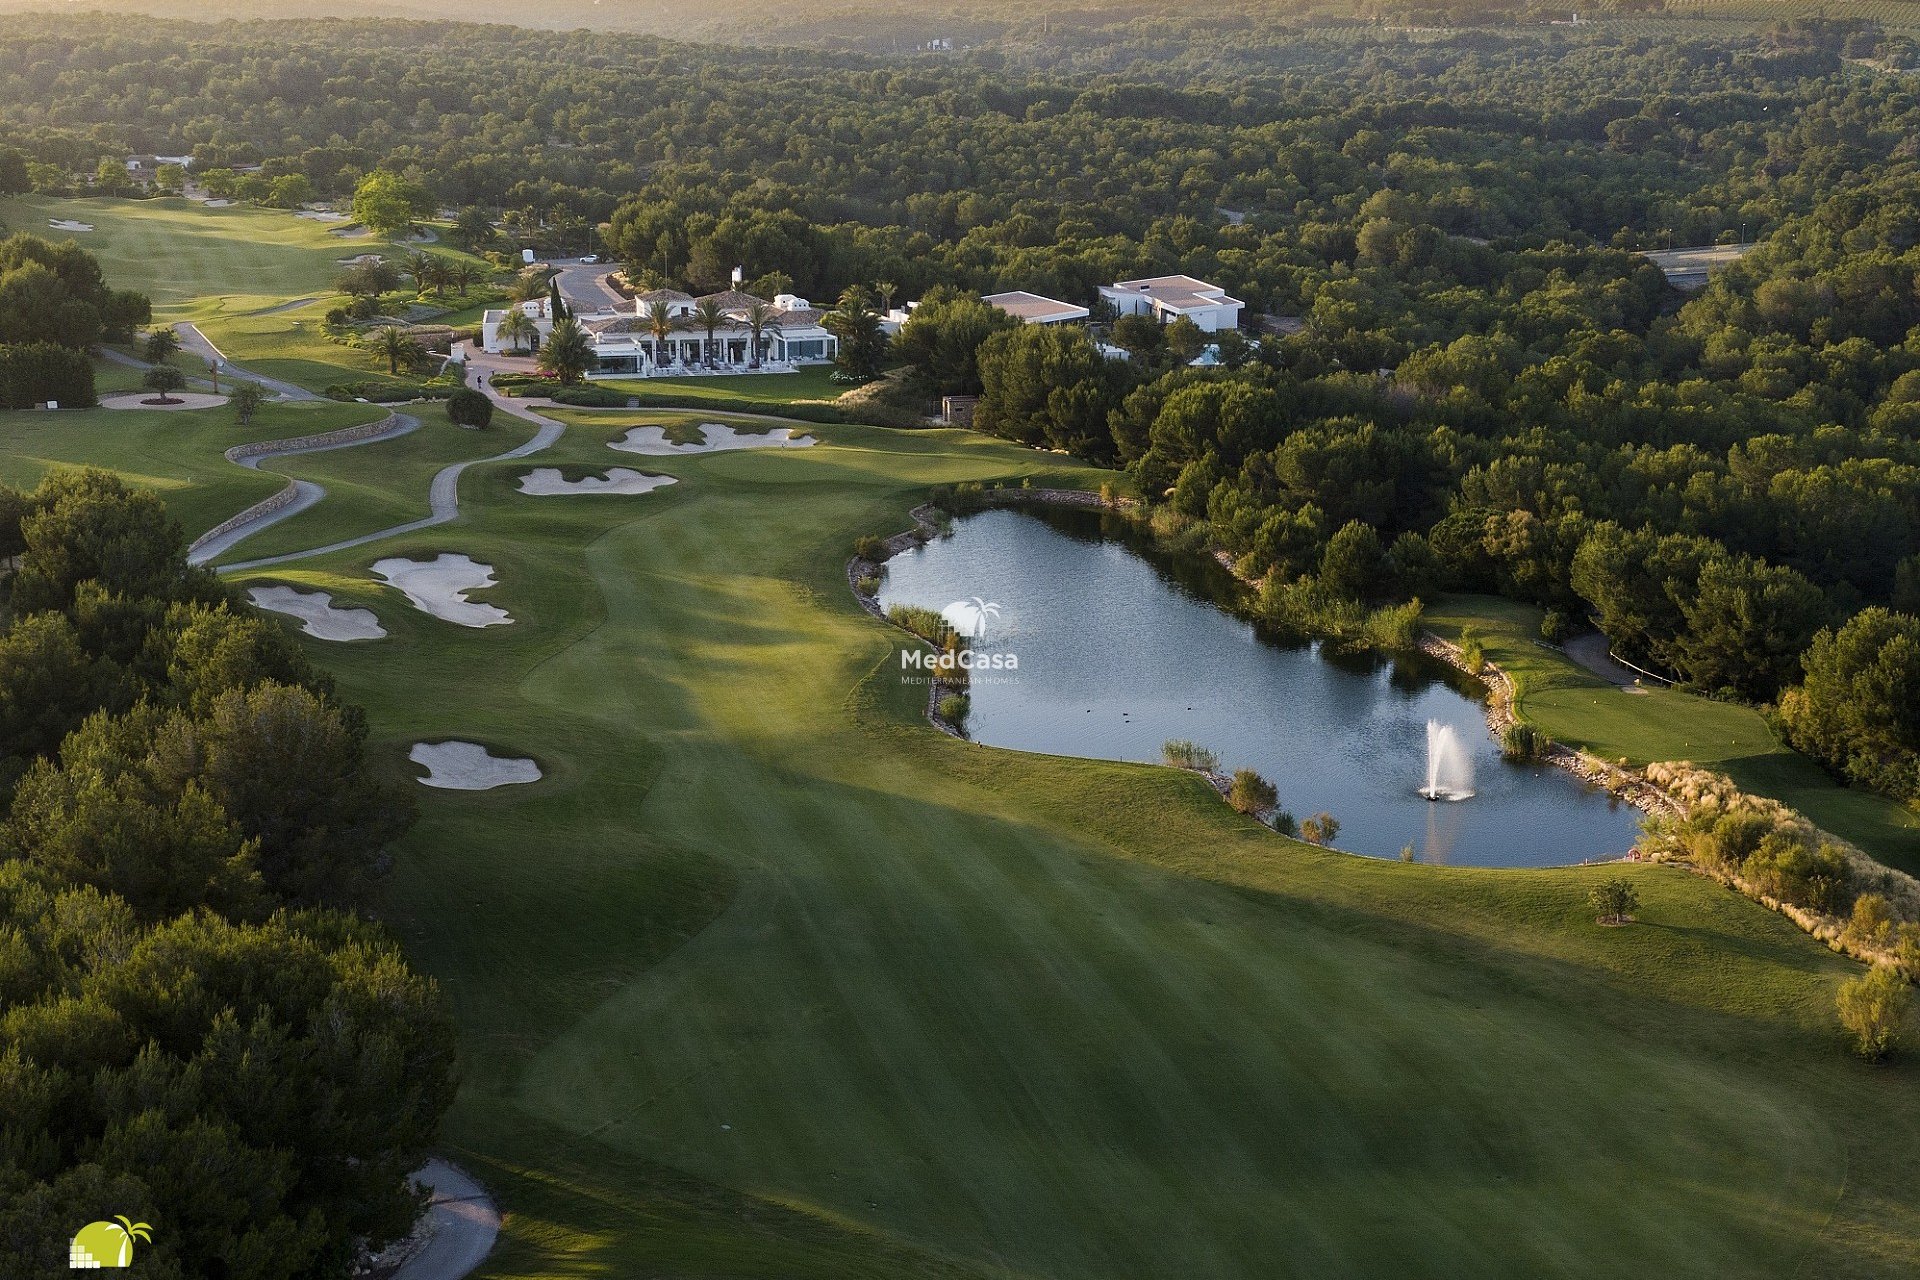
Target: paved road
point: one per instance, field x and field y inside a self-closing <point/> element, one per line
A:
<point x="306" y="492"/>
<point x="465" y="1225"/>
<point x="1590" y="651"/>
<point x="191" y="339"/>
<point x="585" y="287"/>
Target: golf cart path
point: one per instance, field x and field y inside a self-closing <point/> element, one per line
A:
<point x="191" y="339"/>
<point x="465" y="1222"/>
<point x="305" y="492"/>
<point x="443" y="496"/>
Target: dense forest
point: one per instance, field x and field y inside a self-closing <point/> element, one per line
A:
<point x="1460" y="375"/>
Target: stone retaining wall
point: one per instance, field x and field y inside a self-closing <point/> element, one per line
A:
<point x="307" y="444"/>
<point x="298" y="444"/>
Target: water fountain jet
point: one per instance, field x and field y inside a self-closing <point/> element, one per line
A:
<point x="1449" y="770"/>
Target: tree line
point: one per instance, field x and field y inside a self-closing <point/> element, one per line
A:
<point x="197" y="1028"/>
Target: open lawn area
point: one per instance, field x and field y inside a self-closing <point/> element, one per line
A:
<point x="814" y="383"/>
<point x="767" y="977"/>
<point x="177" y="454"/>
<point x="1578" y="708"/>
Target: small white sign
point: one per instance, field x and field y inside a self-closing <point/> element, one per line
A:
<point x="526" y="256"/>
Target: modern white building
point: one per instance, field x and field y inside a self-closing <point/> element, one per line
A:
<point x="1032" y="308"/>
<point x="1167" y="298"/>
<point x="491" y="341"/>
<point x="626" y="345"/>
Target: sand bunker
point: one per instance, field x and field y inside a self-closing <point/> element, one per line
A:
<point x="653" y="440"/>
<point x="468" y="766"/>
<point x="548" y="482"/>
<point x="217" y="203"/>
<point x="439" y="586"/>
<point x="321" y="215"/>
<point x="358" y="259"/>
<point x="68" y="224"/>
<point x="317" y="614"/>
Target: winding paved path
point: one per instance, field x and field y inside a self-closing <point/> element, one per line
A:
<point x="191" y="339"/>
<point x="465" y="1224"/>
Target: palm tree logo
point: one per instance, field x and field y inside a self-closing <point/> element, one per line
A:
<point x="106" y="1244"/>
<point x="968" y="618"/>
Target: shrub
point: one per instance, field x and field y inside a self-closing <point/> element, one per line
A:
<point x="469" y="408"/>
<point x="1182" y="754"/>
<point x="867" y="584"/>
<point x="33" y="373"/>
<point x="1872" y="923"/>
<point x="870" y="548"/>
<point x="1473" y="652"/>
<point x="1321" y="828"/>
<point x="590" y="397"/>
<point x="1252" y="794"/>
<point x="1872" y="1007"/>
<point x="1555" y="627"/>
<point x="1614" y="901"/>
<point x="953" y="708"/>
<point x="925" y="623"/>
<point x="1521" y="741"/>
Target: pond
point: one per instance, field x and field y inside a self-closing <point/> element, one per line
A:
<point x="1121" y="648"/>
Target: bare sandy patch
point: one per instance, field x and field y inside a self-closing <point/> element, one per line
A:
<point x="468" y="766"/>
<point x="549" y="482"/>
<point x="68" y="224"/>
<point x="718" y="438"/>
<point x="321" y="215"/>
<point x="439" y="586"/>
<point x="318" y="615"/>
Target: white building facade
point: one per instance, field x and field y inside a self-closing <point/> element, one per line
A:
<point x="1168" y="298"/>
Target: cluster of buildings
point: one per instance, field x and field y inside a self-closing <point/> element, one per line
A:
<point x="755" y="335"/>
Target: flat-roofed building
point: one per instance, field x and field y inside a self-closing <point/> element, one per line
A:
<point x="1167" y="298"/>
<point x="1031" y="308"/>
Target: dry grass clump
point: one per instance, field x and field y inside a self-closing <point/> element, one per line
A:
<point x="1775" y="856"/>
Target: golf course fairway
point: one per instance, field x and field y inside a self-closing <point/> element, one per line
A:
<point x="766" y="976"/>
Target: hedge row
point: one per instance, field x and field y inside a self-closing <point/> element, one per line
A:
<point x="33" y="373"/>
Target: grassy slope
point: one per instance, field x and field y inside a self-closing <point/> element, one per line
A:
<point x="1582" y="710"/>
<point x="177" y="454"/>
<point x="968" y="1010"/>
<point x="761" y="388"/>
<point x="187" y="258"/>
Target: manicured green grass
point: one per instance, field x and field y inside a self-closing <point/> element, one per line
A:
<point x="180" y="253"/>
<point x="813" y="383"/>
<point x="1643" y="725"/>
<point x="766" y="977"/>
<point x="177" y="454"/>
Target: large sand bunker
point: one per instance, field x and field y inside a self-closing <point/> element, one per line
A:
<point x="468" y="766"/>
<point x="439" y="586"/>
<point x="317" y="614"/>
<point x="548" y="482"/>
<point x="653" y="440"/>
<point x="68" y="224"/>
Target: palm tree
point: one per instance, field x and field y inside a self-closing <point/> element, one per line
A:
<point x="762" y="320"/>
<point x="464" y="274"/>
<point x="529" y="285"/>
<point x="420" y="267"/>
<point x="886" y="289"/>
<point x="709" y="314"/>
<point x="662" y="324"/>
<point x="519" y="328"/>
<point x="568" y="353"/>
<point x="857" y="325"/>
<point x="395" y="345"/>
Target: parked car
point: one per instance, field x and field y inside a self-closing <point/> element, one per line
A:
<point x="591" y="258"/>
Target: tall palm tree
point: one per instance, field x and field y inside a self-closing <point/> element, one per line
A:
<point x="568" y="353"/>
<point x="709" y="314"/>
<point x="886" y="289"/>
<point x="529" y="285"/>
<point x="762" y="320"/>
<point x="519" y="328"/>
<point x="420" y="266"/>
<point x="464" y="274"/>
<point x="662" y="324"/>
<point x="395" y="345"/>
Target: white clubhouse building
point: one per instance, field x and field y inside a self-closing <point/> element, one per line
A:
<point x="626" y="346"/>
